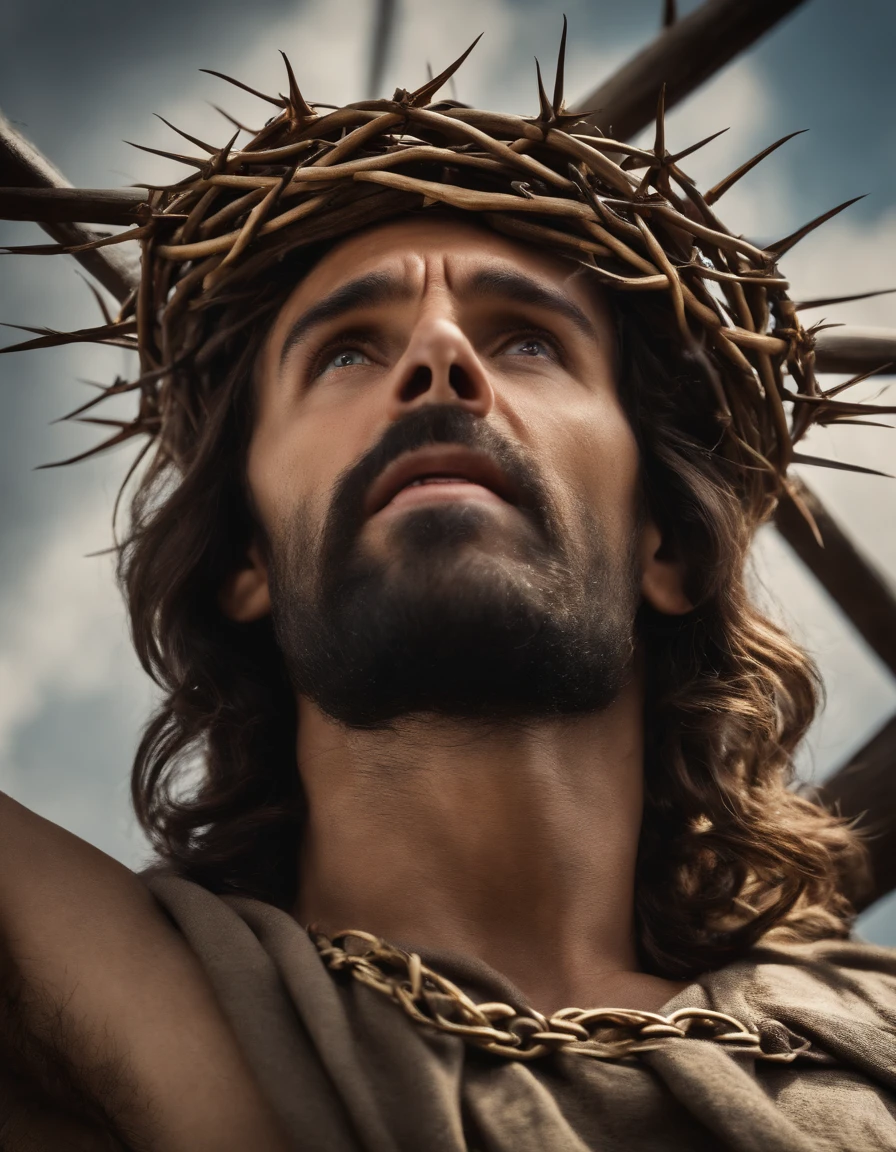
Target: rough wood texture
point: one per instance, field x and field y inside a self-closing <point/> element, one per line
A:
<point x="855" y="350"/>
<point x="686" y="54"/>
<point x="62" y="205"/>
<point x="23" y="166"/>
<point x="683" y="56"/>
<point x="863" y="595"/>
<point x="866" y="790"/>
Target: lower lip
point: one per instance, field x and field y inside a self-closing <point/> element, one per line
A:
<point x="450" y="492"/>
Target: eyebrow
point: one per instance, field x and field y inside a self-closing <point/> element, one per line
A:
<point x="510" y="285"/>
<point x="365" y="292"/>
<point x="377" y="288"/>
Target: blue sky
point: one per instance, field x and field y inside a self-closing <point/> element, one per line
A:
<point x="79" y="79"/>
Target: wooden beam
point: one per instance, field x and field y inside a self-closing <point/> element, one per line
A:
<point x="65" y="205"/>
<point x="23" y="166"/>
<point x="865" y="790"/>
<point x="683" y="56"/>
<point x="861" y="593"/>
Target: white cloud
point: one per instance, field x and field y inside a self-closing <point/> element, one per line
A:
<point x="860" y="692"/>
<point x="845" y="256"/>
<point x="62" y="627"/>
<point x="328" y="49"/>
<point x="62" y="632"/>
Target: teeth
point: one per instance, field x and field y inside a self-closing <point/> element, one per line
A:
<point x="438" y="480"/>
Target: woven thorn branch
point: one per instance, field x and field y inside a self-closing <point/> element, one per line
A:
<point x="630" y="215"/>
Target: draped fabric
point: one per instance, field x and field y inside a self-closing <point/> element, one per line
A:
<point x="347" y="1071"/>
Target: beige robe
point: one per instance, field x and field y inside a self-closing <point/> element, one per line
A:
<point x="347" y="1071"/>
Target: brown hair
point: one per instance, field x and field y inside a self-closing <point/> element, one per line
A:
<point x="728" y="851"/>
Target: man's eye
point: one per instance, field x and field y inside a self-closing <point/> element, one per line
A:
<point x="345" y="358"/>
<point x="529" y="346"/>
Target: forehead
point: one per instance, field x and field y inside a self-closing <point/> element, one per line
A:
<point x="421" y="251"/>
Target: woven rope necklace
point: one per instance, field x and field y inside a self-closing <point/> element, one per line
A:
<point x="601" y="1033"/>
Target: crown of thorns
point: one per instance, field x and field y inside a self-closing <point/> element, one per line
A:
<point x="312" y="173"/>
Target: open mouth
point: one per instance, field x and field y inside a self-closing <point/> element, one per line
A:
<point x="440" y="473"/>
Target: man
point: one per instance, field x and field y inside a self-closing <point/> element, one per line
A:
<point x="439" y="562"/>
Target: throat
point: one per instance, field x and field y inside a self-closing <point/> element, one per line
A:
<point x="511" y="843"/>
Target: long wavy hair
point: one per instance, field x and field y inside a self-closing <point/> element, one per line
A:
<point x="728" y="851"/>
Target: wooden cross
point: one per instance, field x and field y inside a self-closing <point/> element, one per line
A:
<point x="683" y="56"/>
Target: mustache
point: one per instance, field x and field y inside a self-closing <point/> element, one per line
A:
<point x="437" y="424"/>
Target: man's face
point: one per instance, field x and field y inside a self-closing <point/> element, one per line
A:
<point x="446" y="480"/>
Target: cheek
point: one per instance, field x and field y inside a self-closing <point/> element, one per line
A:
<point x="591" y="457"/>
<point x="296" y="457"/>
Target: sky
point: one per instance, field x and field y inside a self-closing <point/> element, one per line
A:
<point x="80" y="79"/>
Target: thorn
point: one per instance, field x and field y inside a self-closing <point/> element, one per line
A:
<point x="279" y="102"/>
<point x="694" y="147"/>
<point x="116" y="389"/>
<point x="826" y="301"/>
<point x="670" y="14"/>
<point x="560" y="73"/>
<point x="545" y="109"/>
<point x="799" y="458"/>
<point x="423" y="94"/>
<point x="723" y="185"/>
<point x="659" y="143"/>
<point x="186" y="135"/>
<point x="804" y="510"/>
<point x="102" y="552"/>
<point x="119" y="438"/>
<point x="107" y="315"/>
<point x="233" y="120"/>
<point x="300" y="107"/>
<point x="850" y="422"/>
<point x="221" y="157"/>
<point x="646" y="180"/>
<point x="832" y="392"/>
<point x="782" y="246"/>
<point x="193" y="161"/>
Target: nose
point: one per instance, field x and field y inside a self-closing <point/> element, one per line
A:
<point x="440" y="366"/>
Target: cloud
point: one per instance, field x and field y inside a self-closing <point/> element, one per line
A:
<point x="860" y="692"/>
<point x="63" y="628"/>
<point x="328" y="49"/>
<point x="63" y="638"/>
<point x="846" y="255"/>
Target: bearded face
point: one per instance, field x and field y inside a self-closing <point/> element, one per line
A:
<point x="443" y="617"/>
<point x="446" y="484"/>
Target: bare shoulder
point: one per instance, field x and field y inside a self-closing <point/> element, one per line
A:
<point x="99" y="990"/>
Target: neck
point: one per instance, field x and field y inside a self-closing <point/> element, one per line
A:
<point x="512" y="843"/>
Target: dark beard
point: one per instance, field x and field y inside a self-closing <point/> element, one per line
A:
<point x="443" y="627"/>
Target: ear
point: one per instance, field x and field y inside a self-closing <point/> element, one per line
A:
<point x="662" y="576"/>
<point x="245" y="595"/>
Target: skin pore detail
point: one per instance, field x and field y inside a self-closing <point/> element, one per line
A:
<point x="513" y="839"/>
